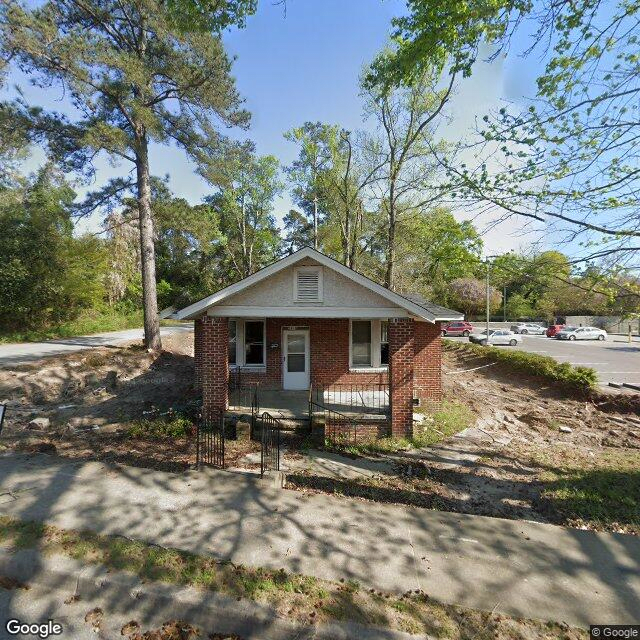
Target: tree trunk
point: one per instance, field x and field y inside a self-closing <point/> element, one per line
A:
<point x="152" y="339"/>
<point x="391" y="239"/>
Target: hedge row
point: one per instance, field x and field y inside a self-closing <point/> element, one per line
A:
<point x="563" y="373"/>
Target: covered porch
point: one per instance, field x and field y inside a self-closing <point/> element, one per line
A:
<point x="352" y="401"/>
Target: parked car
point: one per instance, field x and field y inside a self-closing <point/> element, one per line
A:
<point x="528" y="327"/>
<point x="553" y="329"/>
<point x="496" y="336"/>
<point x="582" y="333"/>
<point x="457" y="329"/>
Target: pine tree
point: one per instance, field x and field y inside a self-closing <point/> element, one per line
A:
<point x="136" y="78"/>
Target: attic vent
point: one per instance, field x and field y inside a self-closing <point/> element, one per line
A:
<point x="308" y="285"/>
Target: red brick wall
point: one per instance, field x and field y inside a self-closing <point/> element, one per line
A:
<point x="355" y="432"/>
<point x="427" y="364"/>
<point x="197" y="353"/>
<point x="329" y="351"/>
<point x="401" y="354"/>
<point x="215" y="363"/>
<point x="415" y="356"/>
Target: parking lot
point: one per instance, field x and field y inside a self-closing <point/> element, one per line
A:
<point x="614" y="359"/>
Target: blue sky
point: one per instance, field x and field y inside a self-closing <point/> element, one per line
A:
<point x="303" y="64"/>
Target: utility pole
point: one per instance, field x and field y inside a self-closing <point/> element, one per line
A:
<point x="488" y="310"/>
<point x="315" y="222"/>
<point x="504" y="304"/>
<point x="487" y="258"/>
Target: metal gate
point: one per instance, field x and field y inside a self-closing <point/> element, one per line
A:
<point x="270" y="450"/>
<point x="210" y="439"/>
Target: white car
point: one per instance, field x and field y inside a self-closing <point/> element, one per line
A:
<point x="528" y="327"/>
<point x="581" y="333"/>
<point x="496" y="336"/>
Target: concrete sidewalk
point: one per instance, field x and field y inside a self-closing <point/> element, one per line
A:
<point x="24" y="352"/>
<point x="520" y="568"/>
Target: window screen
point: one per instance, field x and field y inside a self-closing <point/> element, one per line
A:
<point x="254" y="342"/>
<point x="361" y="342"/>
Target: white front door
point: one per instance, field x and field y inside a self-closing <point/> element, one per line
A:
<point x="295" y="366"/>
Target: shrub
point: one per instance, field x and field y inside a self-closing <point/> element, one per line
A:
<point x="563" y="373"/>
<point x="161" y="428"/>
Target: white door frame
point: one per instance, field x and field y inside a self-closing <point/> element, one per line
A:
<point x="296" y="380"/>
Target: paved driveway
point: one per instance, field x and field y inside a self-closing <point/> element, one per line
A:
<point x="615" y="359"/>
<point x="520" y="568"/>
<point x="23" y="352"/>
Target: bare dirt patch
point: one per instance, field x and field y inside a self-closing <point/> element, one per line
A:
<point x="536" y="452"/>
<point x="89" y="398"/>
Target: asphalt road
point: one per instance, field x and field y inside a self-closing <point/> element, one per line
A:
<point x="24" y="352"/>
<point x="615" y="359"/>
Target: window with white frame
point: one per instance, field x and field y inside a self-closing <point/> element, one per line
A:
<point x="361" y="343"/>
<point x="384" y="343"/>
<point x="369" y="344"/>
<point x="247" y="343"/>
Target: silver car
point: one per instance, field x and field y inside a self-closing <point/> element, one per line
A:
<point x="581" y="333"/>
<point x="496" y="336"/>
<point x="528" y="327"/>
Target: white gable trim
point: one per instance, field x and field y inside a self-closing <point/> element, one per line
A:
<point x="198" y="308"/>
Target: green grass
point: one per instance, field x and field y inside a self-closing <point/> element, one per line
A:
<point x="562" y="373"/>
<point x="297" y="597"/>
<point x="448" y="418"/>
<point x="92" y="321"/>
<point x="603" y="492"/>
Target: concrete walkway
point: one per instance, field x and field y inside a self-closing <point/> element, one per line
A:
<point x="24" y="352"/>
<point x="520" y="568"/>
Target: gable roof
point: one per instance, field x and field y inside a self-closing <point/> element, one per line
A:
<point x="415" y="305"/>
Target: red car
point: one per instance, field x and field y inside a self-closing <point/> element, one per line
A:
<point x="457" y="329"/>
<point x="552" y="329"/>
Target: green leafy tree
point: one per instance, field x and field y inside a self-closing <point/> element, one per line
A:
<point x="519" y="308"/>
<point x="569" y="159"/>
<point x="469" y="295"/>
<point x="434" y="249"/>
<point x="47" y="275"/>
<point x="400" y="157"/>
<point x="247" y="187"/>
<point x="134" y="78"/>
<point x="329" y="182"/>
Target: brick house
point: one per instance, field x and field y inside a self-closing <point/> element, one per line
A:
<point x="308" y="320"/>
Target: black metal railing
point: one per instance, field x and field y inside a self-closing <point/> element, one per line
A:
<point x="354" y="398"/>
<point x="210" y="439"/>
<point x="338" y="427"/>
<point x="255" y="411"/>
<point x="270" y="438"/>
<point x="241" y="392"/>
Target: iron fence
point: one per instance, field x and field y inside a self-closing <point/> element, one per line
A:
<point x="270" y="438"/>
<point x="210" y="439"/>
<point x="343" y="429"/>
<point x="354" y="398"/>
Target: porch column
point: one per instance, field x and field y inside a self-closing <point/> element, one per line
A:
<point x="401" y="355"/>
<point x="427" y="366"/>
<point x="197" y="353"/>
<point x="215" y="363"/>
